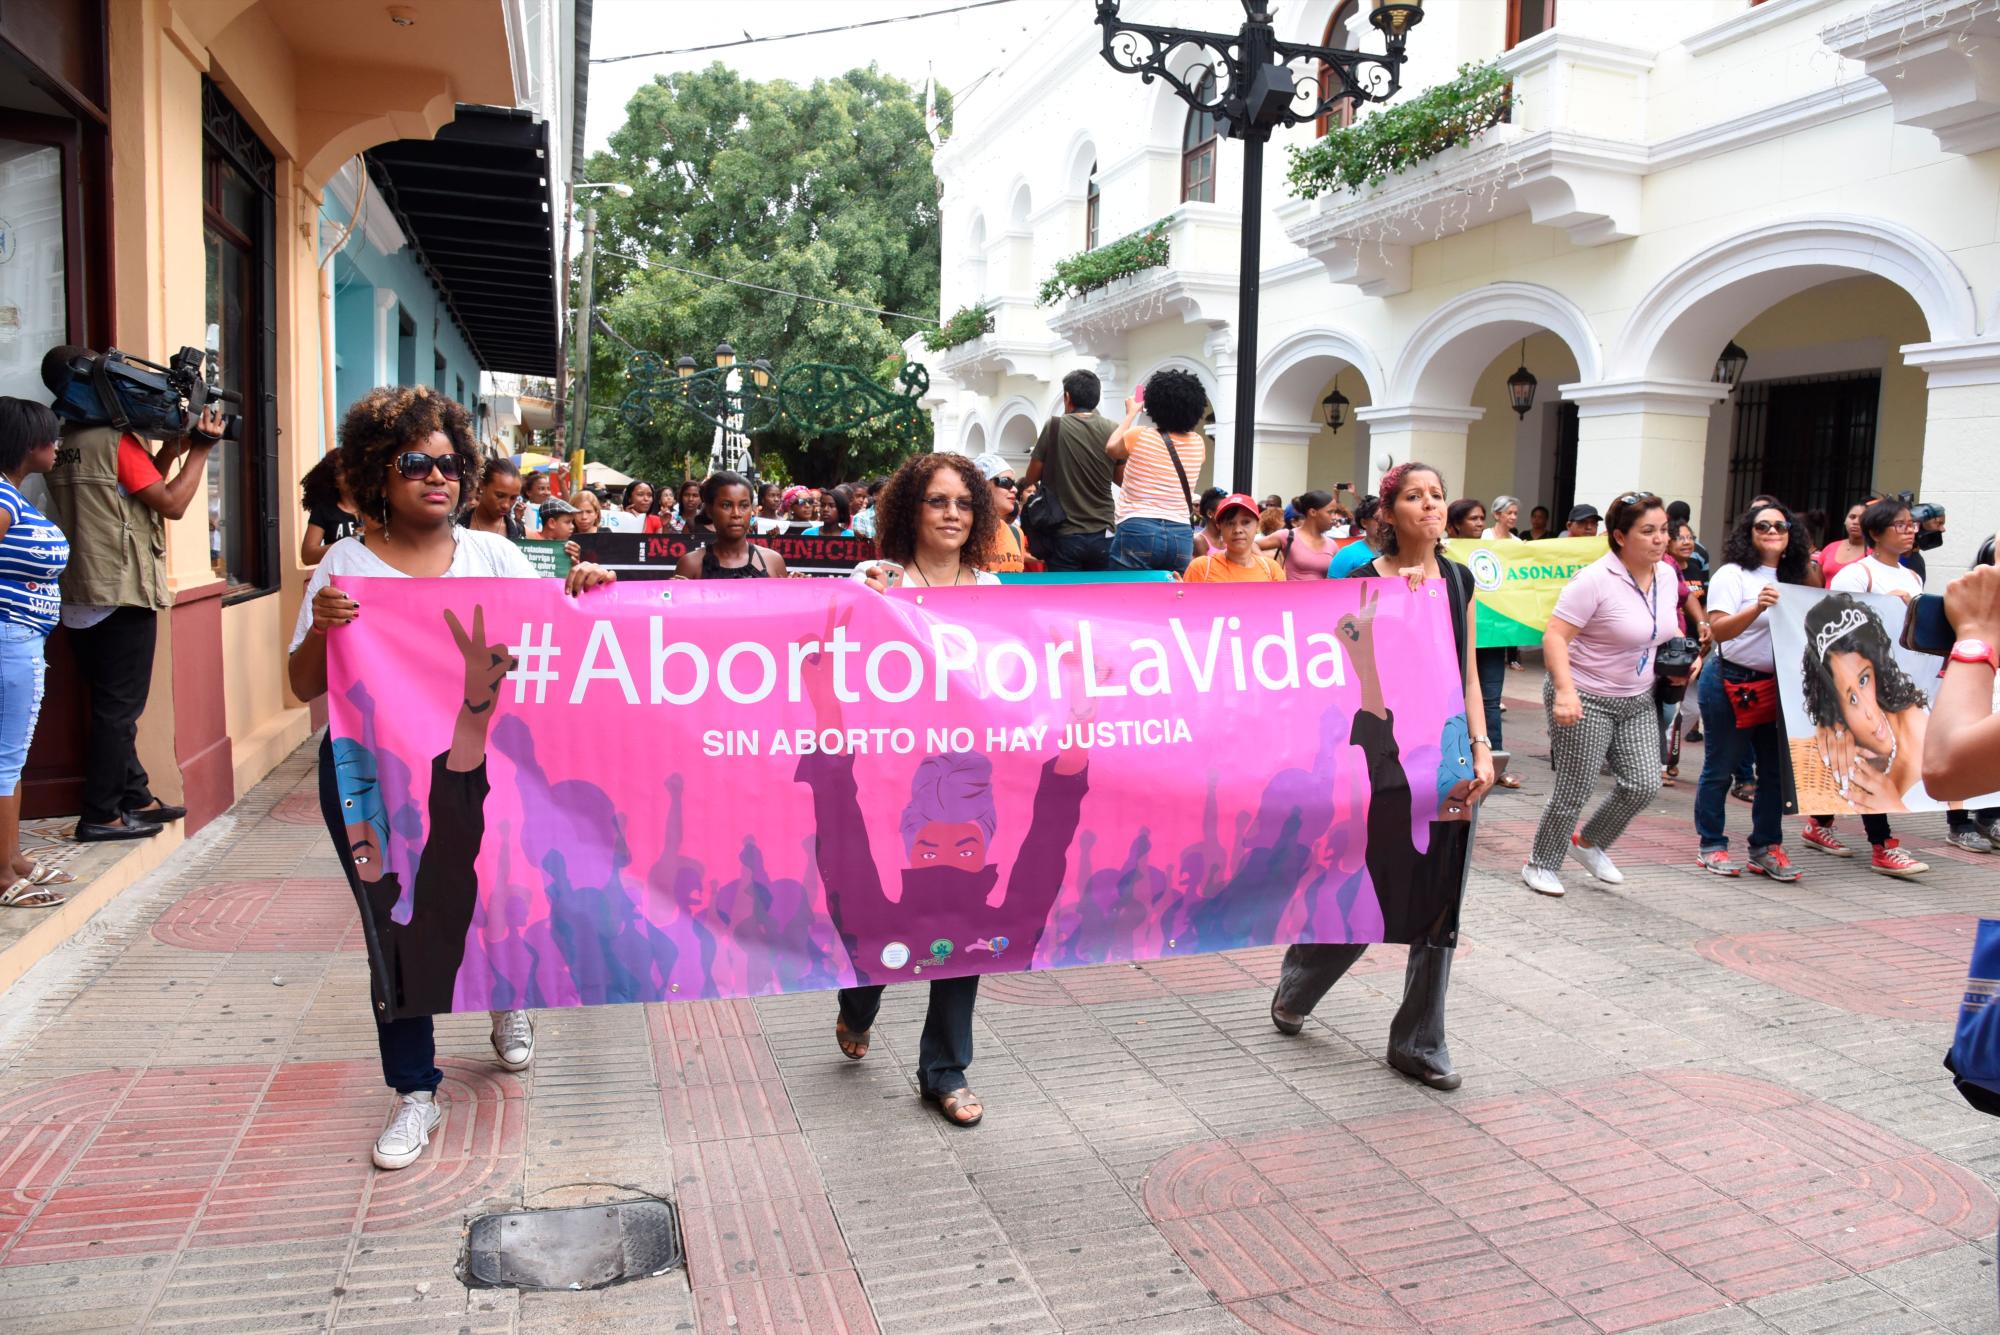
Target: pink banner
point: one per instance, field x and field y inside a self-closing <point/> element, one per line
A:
<point x="687" y="790"/>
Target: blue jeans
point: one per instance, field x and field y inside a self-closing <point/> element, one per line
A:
<point x="1075" y="551"/>
<point x="1152" y="544"/>
<point x="1727" y="745"/>
<point x="1492" y="665"/>
<point x="22" y="668"/>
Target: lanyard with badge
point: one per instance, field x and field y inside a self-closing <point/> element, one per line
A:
<point x="1652" y="610"/>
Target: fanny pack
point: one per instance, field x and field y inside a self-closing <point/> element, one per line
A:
<point x="1753" y="695"/>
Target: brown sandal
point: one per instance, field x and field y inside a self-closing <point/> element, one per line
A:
<point x="853" y="1046"/>
<point x="950" y="1104"/>
<point x="1509" y="781"/>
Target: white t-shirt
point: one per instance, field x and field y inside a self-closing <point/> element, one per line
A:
<point x="860" y="574"/>
<point x="1871" y="576"/>
<point x="1731" y="589"/>
<point x="1490" y="536"/>
<point x="478" y="556"/>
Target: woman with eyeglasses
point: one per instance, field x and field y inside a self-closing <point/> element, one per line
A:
<point x="404" y="453"/>
<point x="728" y="504"/>
<point x="1599" y="648"/>
<point x="1889" y="534"/>
<point x="932" y="518"/>
<point x="934" y="521"/>
<point x="1009" y="555"/>
<point x="1765" y="549"/>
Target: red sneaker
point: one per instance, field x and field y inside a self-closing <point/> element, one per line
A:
<point x="1717" y="861"/>
<point x="1823" y="838"/>
<point x="1891" y="860"/>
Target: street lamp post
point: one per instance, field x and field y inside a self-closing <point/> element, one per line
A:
<point x="1249" y="84"/>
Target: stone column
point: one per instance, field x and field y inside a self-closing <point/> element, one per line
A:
<point x="1405" y="431"/>
<point x="1961" y="427"/>
<point x="1643" y="435"/>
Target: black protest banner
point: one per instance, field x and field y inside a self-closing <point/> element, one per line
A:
<point x="655" y="555"/>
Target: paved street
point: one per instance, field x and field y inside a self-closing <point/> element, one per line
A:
<point x="1690" y="1105"/>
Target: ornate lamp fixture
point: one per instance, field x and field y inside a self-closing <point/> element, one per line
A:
<point x="1521" y="385"/>
<point x="1252" y="83"/>
<point x="1729" y="365"/>
<point x="743" y="398"/>
<point x="1334" y="406"/>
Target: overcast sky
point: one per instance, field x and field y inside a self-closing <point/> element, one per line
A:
<point x="959" y="47"/>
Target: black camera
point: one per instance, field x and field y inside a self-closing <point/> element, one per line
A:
<point x="119" y="390"/>
<point x="1923" y="512"/>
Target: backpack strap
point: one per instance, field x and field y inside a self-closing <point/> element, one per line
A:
<point x="1187" y="492"/>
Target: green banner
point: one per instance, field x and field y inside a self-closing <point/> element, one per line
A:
<point x="546" y="556"/>
<point x="1518" y="583"/>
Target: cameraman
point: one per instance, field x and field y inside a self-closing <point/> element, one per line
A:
<point x="113" y="499"/>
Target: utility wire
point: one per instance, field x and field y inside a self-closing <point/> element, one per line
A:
<point x="748" y="40"/>
<point x="644" y="263"/>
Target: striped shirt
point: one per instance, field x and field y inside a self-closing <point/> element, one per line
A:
<point x="1152" y="489"/>
<point x="32" y="557"/>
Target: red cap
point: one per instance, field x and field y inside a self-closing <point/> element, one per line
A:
<point x="1238" y="501"/>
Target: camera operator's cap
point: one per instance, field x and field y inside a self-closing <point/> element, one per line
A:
<point x="555" y="505"/>
<point x="991" y="465"/>
<point x="1584" y="514"/>
<point x="1238" y="501"/>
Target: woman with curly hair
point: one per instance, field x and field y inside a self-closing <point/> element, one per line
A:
<point x="1869" y="715"/>
<point x="933" y="522"/>
<point x="1766" y="548"/>
<point x="404" y="454"/>
<point x="328" y="517"/>
<point x="1155" y="492"/>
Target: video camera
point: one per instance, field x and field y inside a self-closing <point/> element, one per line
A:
<point x="1923" y="512"/>
<point x="119" y="390"/>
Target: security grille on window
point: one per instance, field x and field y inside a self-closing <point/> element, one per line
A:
<point x="238" y="218"/>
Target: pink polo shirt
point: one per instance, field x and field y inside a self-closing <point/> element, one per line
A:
<point x="1617" y="626"/>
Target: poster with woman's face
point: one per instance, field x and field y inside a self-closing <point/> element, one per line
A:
<point x="1855" y="704"/>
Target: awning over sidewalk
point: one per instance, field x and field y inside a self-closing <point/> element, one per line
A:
<point x="474" y="203"/>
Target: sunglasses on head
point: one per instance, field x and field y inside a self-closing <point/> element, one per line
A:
<point x="1773" y="526"/>
<point x="415" y="465"/>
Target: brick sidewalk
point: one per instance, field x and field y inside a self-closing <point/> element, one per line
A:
<point x="1690" y="1105"/>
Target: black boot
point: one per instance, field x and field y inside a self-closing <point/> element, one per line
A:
<point x="1416" y="1035"/>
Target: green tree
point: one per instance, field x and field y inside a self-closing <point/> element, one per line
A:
<point x="825" y="190"/>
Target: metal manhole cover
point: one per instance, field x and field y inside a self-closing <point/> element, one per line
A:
<point x="580" y="1247"/>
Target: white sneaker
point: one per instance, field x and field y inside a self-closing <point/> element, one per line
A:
<point x="1597" y="862"/>
<point x="513" y="1039"/>
<point x="409" y="1130"/>
<point x="1543" y="881"/>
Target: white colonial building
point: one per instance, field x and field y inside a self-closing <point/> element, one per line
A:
<point x="1816" y="181"/>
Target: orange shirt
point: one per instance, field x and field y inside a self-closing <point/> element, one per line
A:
<point x="1219" y="569"/>
<point x="1006" y="557"/>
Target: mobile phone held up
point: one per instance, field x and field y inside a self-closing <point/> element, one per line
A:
<point x="1927" y="630"/>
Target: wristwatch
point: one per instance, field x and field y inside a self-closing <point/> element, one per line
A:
<point x="1976" y="651"/>
<point x="1486" y="742"/>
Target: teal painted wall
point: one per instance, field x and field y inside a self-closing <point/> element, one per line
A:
<point x="359" y="273"/>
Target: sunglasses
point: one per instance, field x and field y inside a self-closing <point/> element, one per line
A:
<point x="415" y="465"/>
<point x="941" y="504"/>
<point x="1773" y="526"/>
<point x="1005" y="483"/>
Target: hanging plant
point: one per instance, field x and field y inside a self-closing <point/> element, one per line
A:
<point x="1088" y="270"/>
<point x="965" y="324"/>
<point x="1397" y="138"/>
